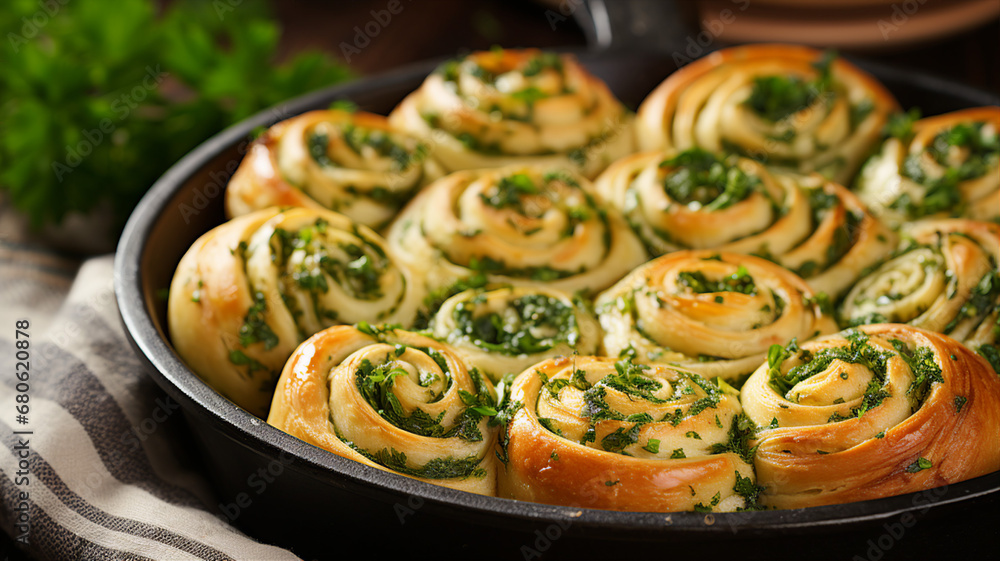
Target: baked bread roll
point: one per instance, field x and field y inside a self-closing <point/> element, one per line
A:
<point x="595" y="433"/>
<point x="394" y="400"/>
<point x="939" y="166"/>
<point x="713" y="313"/>
<point x="516" y="225"/>
<point x="784" y="105"/>
<point x="700" y="200"/>
<point x="506" y="330"/>
<point x="879" y="411"/>
<point x="503" y="107"/>
<point x="944" y="278"/>
<point x="249" y="291"/>
<point x="353" y="163"/>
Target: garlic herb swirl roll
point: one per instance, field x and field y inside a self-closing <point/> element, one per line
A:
<point x="699" y="200"/>
<point x="497" y="108"/>
<point x="788" y="106"/>
<point x="518" y="226"/>
<point x="353" y="163"/>
<point x="939" y="166"/>
<point x="249" y="291"/>
<point x="879" y="411"/>
<point x="713" y="313"/>
<point x="394" y="400"/>
<point x="944" y="278"/>
<point x="594" y="432"/>
<point x="506" y="330"/>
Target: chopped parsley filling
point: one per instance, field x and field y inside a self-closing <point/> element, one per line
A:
<point x="358" y="270"/>
<point x="920" y="360"/>
<point x="713" y="182"/>
<point x="375" y="384"/>
<point x="531" y="324"/>
<point x="740" y="281"/>
<point x="859" y="351"/>
<point x="979" y="154"/>
<point x="775" y="98"/>
<point x="255" y="328"/>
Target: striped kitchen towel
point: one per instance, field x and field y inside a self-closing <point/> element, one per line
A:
<point x="100" y="469"/>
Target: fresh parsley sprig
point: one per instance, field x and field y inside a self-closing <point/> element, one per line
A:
<point x="108" y="94"/>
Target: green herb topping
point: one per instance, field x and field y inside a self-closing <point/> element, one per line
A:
<point x="775" y="98"/>
<point x="713" y="182"/>
<point x="740" y="281"/>
<point x="530" y="324"/>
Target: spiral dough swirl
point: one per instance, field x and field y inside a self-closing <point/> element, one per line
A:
<point x="788" y="106"/>
<point x="517" y="225"/>
<point x="503" y="107"/>
<point x="506" y="330"/>
<point x="249" y="291"/>
<point x="700" y="200"/>
<point x="353" y="163"/>
<point x="943" y="279"/>
<point x="714" y="313"/>
<point x="393" y="400"/>
<point x="595" y="433"/>
<point x="948" y="165"/>
<point x="883" y="410"/>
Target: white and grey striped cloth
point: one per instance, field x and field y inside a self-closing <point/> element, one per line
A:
<point x="110" y="476"/>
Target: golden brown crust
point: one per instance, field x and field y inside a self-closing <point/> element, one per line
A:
<point x="348" y="172"/>
<point x="808" y="224"/>
<point x="520" y="225"/>
<point x="318" y="401"/>
<point x="504" y="107"/>
<point x="943" y="279"/>
<point x="240" y="303"/>
<point x="655" y="313"/>
<point x="701" y="105"/>
<point x="810" y="460"/>
<point x="890" y="183"/>
<point x="547" y="467"/>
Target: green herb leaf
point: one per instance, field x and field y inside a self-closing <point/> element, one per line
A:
<point x="919" y="465"/>
<point x="88" y="118"/>
<point x="715" y="182"/>
<point x="960" y="403"/>
<point x="652" y="446"/>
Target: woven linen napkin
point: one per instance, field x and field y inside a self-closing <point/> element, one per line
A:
<point x="108" y="471"/>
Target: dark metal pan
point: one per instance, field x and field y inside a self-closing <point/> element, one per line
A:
<point x="281" y="490"/>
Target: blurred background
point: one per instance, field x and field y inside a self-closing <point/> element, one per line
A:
<point x="99" y="97"/>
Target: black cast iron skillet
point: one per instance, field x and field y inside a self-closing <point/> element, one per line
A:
<point x="324" y="506"/>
